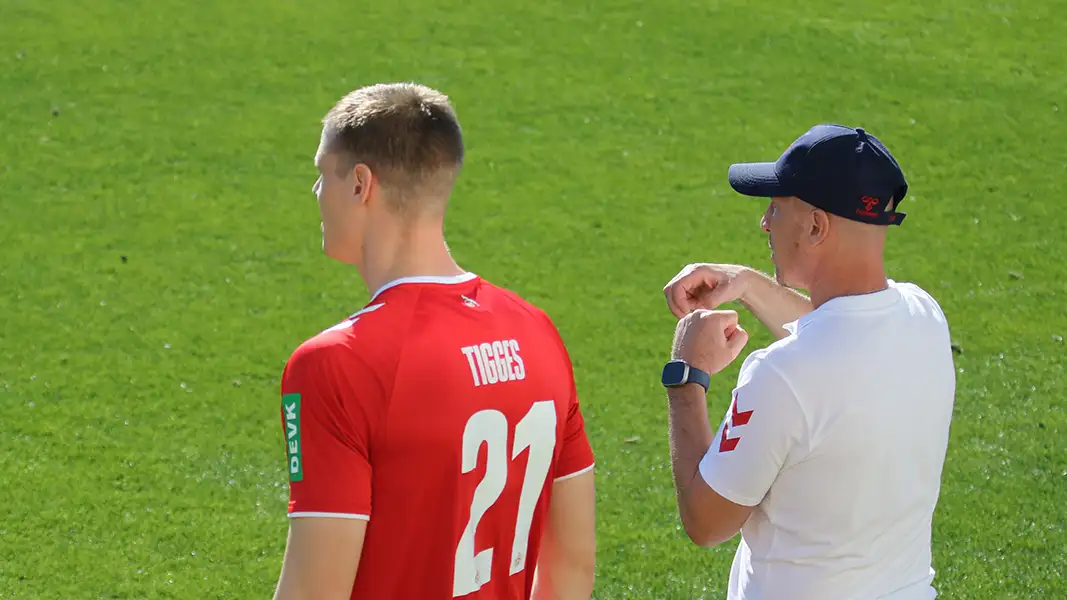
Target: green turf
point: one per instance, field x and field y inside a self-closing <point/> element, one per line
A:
<point x="161" y="253"/>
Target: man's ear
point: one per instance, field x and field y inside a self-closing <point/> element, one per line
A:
<point x="362" y="182"/>
<point x="818" y="227"/>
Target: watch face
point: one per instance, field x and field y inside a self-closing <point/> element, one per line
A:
<point x="673" y="373"/>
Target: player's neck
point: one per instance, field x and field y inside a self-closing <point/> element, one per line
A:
<point x="415" y="251"/>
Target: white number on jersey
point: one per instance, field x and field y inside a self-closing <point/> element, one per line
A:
<point x="536" y="431"/>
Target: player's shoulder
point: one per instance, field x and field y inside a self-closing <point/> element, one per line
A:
<point x="349" y="339"/>
<point x="517" y="302"/>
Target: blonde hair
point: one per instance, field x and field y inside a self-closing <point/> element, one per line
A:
<point x="406" y="133"/>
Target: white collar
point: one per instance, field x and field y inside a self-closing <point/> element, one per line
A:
<point x="425" y="279"/>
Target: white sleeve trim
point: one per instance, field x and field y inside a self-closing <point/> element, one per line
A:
<point x="574" y="474"/>
<point x="329" y="515"/>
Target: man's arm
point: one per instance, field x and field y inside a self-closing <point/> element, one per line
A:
<point x="773" y="304"/>
<point x="328" y="406"/>
<point x="708" y="286"/>
<point x="321" y="558"/>
<point x="566" y="565"/>
<point x="708" y="518"/>
<point x="719" y="479"/>
<point x="566" y="562"/>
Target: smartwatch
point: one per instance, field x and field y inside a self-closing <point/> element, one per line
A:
<point x="677" y="373"/>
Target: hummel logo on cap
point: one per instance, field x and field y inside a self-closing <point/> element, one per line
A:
<point x="842" y="170"/>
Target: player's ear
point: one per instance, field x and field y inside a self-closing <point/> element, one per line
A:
<point x="362" y="180"/>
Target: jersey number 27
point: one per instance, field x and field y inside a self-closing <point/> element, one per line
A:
<point x="536" y="431"/>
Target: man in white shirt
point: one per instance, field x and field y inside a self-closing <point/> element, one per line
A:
<point x="829" y="458"/>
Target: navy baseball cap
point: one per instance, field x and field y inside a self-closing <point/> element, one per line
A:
<point x="842" y="170"/>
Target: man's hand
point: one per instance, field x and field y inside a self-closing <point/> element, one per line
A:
<point x="708" y="286"/>
<point x="709" y="339"/>
<point x="705" y="286"/>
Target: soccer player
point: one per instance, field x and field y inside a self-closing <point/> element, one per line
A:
<point x="435" y="445"/>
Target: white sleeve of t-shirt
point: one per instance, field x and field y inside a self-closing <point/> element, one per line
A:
<point x="763" y="425"/>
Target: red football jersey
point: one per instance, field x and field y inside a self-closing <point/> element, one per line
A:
<point x="441" y="413"/>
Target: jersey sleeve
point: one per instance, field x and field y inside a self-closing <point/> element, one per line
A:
<point x="763" y="425"/>
<point x="329" y="406"/>
<point x="576" y="455"/>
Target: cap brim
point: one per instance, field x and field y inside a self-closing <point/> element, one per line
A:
<point x="756" y="179"/>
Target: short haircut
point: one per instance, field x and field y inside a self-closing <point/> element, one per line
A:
<point x="406" y="133"/>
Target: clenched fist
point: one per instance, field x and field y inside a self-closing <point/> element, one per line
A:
<point x="709" y="339"/>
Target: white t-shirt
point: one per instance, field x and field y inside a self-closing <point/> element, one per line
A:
<point x="837" y="434"/>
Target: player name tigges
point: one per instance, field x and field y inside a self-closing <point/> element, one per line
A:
<point x="495" y="362"/>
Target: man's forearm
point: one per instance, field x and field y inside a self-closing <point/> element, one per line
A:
<point x="690" y="436"/>
<point x="773" y="304"/>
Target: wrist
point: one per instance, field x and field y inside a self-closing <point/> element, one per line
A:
<point x="680" y="373"/>
<point x="690" y="392"/>
<point x="750" y="280"/>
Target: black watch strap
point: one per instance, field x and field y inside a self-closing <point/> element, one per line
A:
<point x="699" y="377"/>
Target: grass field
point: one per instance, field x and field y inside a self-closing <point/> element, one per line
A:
<point x="161" y="251"/>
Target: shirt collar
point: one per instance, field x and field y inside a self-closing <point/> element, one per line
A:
<point x="465" y="277"/>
